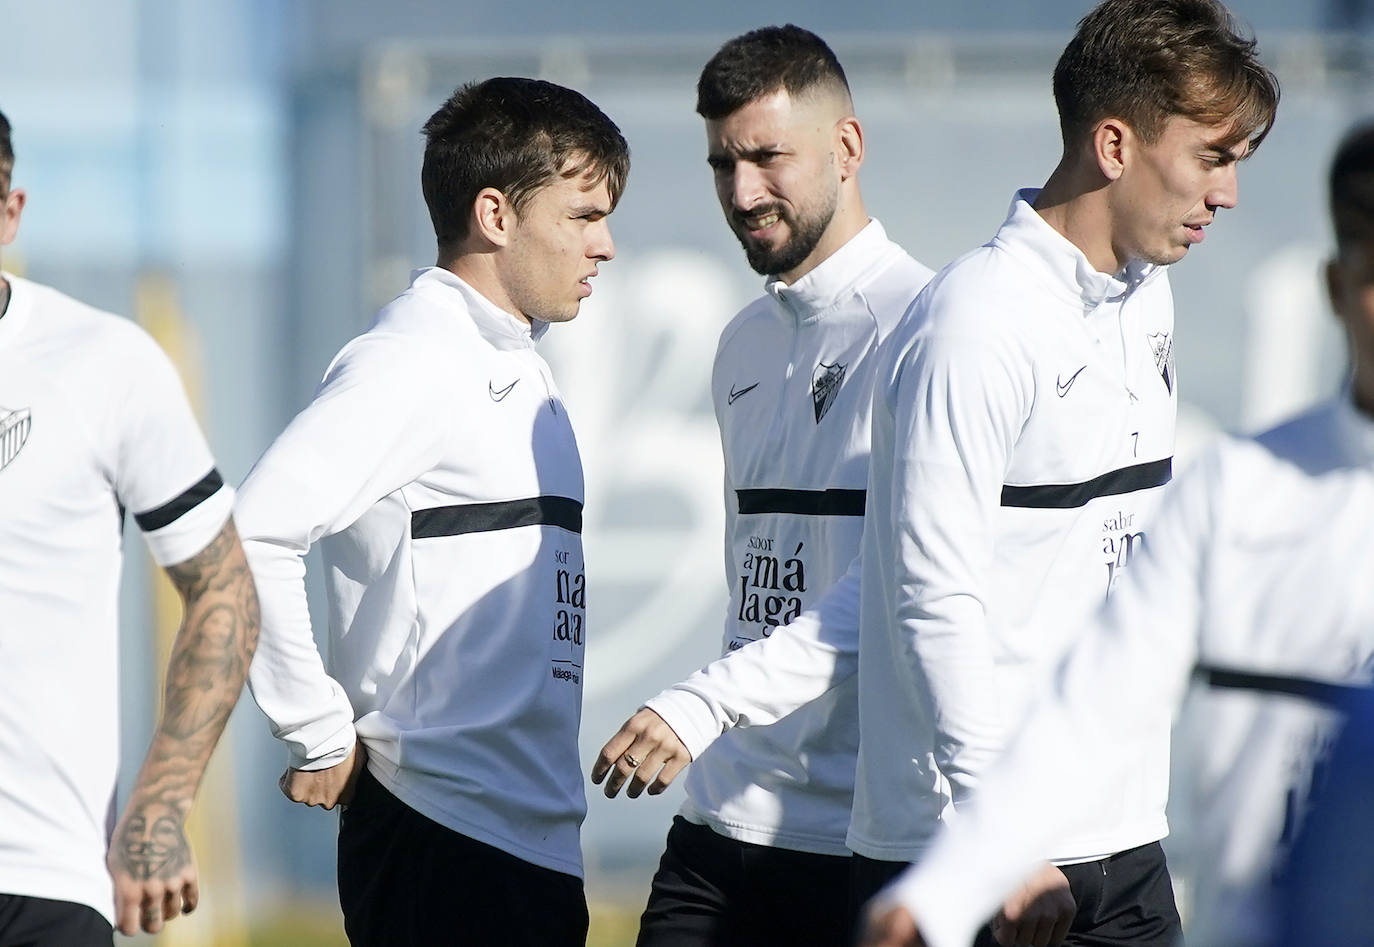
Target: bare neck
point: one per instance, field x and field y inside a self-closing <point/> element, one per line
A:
<point x="850" y="217"/>
<point x="1074" y="202"/>
<point x="479" y="271"/>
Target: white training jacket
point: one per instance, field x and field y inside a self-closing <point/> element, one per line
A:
<point x="438" y="470"/>
<point x="793" y="389"/>
<point x="1254" y="602"/>
<point x="1023" y="422"/>
<point x="94" y="427"/>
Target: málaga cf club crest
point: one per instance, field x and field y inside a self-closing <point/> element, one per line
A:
<point x="14" y="431"/>
<point x="825" y="385"/>
<point x="1162" y="345"/>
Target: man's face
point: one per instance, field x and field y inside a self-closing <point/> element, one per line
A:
<point x="1173" y="187"/>
<point x="776" y="178"/>
<point x="561" y="234"/>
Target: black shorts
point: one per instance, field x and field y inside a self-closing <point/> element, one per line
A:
<point x="713" y="891"/>
<point x="407" y="880"/>
<point x="1125" y="899"/>
<point x="42" y="922"/>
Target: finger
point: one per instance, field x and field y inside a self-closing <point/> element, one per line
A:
<point x="641" y="762"/>
<point x="190" y="895"/>
<point x="605" y="760"/>
<point x="667" y="775"/>
<point x="626" y="769"/>
<point x="284" y="784"/>
<point x="1003" y="931"/>
<point x="171" y="903"/>
<point x="625" y="766"/>
<point x="640" y="780"/>
<point x="126" y="910"/>
<point x="152" y="916"/>
<point x="614" y="780"/>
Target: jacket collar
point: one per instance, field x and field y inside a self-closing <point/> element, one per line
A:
<point x="500" y="328"/>
<point x="833" y="279"/>
<point x="1064" y="268"/>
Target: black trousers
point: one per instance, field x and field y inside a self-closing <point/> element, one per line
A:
<point x="713" y="891"/>
<point x="407" y="880"/>
<point x="41" y="922"/>
<point x="1125" y="899"/>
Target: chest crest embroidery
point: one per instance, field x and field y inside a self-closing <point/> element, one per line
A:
<point x="1162" y="345"/>
<point x="14" y="431"/>
<point x="825" y="385"/>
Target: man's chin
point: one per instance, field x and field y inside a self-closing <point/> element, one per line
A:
<point x="764" y="261"/>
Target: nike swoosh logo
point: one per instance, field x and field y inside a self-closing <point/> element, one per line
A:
<point x="499" y="394"/>
<point x="1062" y="387"/>
<point x="734" y="395"/>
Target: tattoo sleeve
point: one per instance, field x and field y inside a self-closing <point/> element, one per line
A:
<point x="205" y="674"/>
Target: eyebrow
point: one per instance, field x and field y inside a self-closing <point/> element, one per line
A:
<point x="1226" y="153"/>
<point x="747" y="154"/>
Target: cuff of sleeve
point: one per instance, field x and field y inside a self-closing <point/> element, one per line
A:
<point x="689" y="716"/>
<point x="330" y="752"/>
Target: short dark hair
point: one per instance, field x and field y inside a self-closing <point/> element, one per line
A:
<point x="1352" y="188"/>
<point x="1147" y="60"/>
<point x="6" y="153"/>
<point x="760" y="63"/>
<point x="515" y="135"/>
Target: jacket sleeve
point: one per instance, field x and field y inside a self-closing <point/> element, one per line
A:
<point x="958" y="402"/>
<point x="374" y="426"/>
<point x="1137" y="655"/>
<point x="769" y="678"/>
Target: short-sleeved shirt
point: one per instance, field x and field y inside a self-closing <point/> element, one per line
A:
<point x="94" y="427"/>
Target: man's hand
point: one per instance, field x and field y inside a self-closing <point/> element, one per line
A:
<point x="1039" y="914"/>
<point x="151" y="865"/>
<point x="645" y="751"/>
<point x="890" y="926"/>
<point x="325" y="787"/>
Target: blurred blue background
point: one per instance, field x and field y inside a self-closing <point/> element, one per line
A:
<point x="243" y="177"/>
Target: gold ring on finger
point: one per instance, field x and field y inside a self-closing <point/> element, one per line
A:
<point x="634" y="763"/>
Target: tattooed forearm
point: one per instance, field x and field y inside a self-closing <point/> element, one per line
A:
<point x="205" y="675"/>
<point x="215" y="645"/>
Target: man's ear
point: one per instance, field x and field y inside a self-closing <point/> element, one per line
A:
<point x="9" y="218"/>
<point x="493" y="217"/>
<point x="849" y="146"/>
<point x="1335" y="292"/>
<point x="1112" y="141"/>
